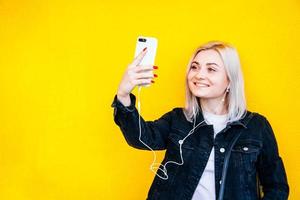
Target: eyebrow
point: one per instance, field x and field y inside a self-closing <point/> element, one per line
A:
<point x="210" y="63"/>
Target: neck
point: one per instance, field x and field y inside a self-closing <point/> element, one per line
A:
<point x="215" y="106"/>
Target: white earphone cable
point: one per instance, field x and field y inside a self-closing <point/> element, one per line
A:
<point x="157" y="166"/>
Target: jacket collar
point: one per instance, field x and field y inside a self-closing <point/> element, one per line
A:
<point x="240" y="122"/>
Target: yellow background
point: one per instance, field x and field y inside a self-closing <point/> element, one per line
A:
<point x="61" y="63"/>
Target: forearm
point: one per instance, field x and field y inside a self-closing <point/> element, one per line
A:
<point x="152" y="133"/>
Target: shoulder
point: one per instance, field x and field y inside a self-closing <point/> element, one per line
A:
<point x="260" y="120"/>
<point x="175" y="114"/>
<point x="256" y="116"/>
<point x="177" y="110"/>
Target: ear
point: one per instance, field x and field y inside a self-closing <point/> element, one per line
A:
<point x="227" y="89"/>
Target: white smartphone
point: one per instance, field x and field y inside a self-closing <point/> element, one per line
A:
<point x="151" y="44"/>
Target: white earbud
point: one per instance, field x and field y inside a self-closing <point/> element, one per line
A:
<point x="227" y="90"/>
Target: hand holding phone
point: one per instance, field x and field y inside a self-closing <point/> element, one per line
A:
<point x="140" y="71"/>
<point x="150" y="43"/>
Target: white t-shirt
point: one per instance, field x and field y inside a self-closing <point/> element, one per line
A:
<point x="206" y="186"/>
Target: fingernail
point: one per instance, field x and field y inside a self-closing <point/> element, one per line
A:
<point x="155" y="75"/>
<point x="152" y="81"/>
<point x="155" y="67"/>
<point x="145" y="49"/>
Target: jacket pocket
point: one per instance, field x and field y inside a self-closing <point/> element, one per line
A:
<point x="176" y="138"/>
<point x="245" y="154"/>
<point x="175" y="159"/>
<point x="178" y="150"/>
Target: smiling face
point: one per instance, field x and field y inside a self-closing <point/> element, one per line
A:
<point x="207" y="77"/>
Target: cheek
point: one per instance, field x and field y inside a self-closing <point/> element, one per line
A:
<point x="190" y="76"/>
<point x="190" y="84"/>
<point x="219" y="79"/>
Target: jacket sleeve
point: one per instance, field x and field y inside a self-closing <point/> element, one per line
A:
<point x="271" y="170"/>
<point x="153" y="133"/>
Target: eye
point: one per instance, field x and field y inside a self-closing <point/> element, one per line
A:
<point x="193" y="67"/>
<point x="211" y="69"/>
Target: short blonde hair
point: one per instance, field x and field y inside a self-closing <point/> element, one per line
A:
<point x="236" y="96"/>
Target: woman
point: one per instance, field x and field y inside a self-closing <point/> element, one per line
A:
<point x="215" y="101"/>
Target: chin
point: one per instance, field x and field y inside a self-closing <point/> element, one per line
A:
<point x="199" y="94"/>
<point x="203" y="94"/>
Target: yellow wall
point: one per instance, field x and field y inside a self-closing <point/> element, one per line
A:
<point x="61" y="63"/>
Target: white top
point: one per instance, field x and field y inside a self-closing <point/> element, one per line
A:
<point x="206" y="186"/>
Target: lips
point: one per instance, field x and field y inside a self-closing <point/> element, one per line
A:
<point x="201" y="84"/>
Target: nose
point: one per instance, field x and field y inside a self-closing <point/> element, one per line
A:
<point x="201" y="74"/>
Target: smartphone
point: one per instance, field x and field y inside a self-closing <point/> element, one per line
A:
<point x="151" y="44"/>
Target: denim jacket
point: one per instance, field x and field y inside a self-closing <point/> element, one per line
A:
<point x="254" y="158"/>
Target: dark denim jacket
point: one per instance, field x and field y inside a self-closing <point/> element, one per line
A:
<point x="254" y="157"/>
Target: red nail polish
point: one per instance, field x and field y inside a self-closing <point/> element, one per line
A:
<point x="145" y="49"/>
<point x="155" y="75"/>
<point x="155" y="67"/>
<point x="152" y="81"/>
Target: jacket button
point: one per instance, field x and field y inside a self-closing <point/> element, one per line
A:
<point x="222" y="150"/>
<point x="245" y="148"/>
<point x="220" y="182"/>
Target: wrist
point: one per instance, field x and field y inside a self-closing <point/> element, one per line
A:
<point x="122" y="94"/>
<point x="124" y="99"/>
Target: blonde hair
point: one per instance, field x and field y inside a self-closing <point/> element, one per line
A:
<point x="236" y="101"/>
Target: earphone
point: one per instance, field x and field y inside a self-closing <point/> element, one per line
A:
<point x="227" y="90"/>
<point x="162" y="167"/>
